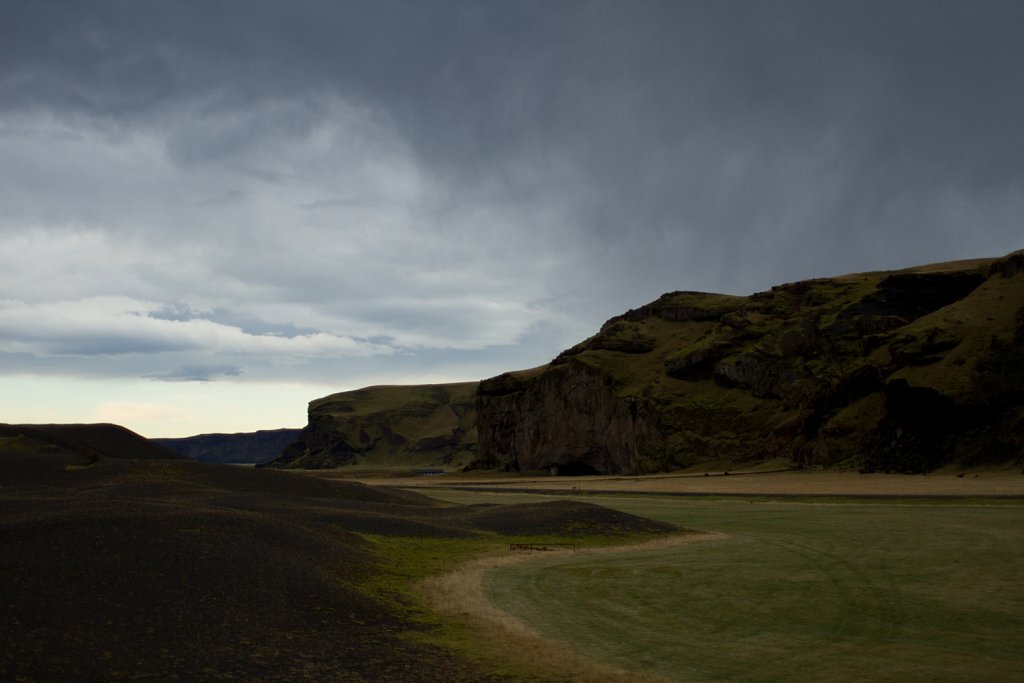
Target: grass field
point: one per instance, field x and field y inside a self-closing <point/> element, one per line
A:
<point x="838" y="589"/>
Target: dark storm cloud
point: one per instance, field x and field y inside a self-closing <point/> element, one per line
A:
<point x="468" y="175"/>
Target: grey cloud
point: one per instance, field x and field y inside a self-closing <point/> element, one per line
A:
<point x="100" y="343"/>
<point x="247" y="323"/>
<point x="177" y="312"/>
<point x="227" y="197"/>
<point x="198" y="373"/>
<point x="356" y="168"/>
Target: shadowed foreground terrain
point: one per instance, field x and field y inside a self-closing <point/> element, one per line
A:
<point x="122" y="569"/>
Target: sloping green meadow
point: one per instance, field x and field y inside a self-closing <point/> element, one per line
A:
<point x="836" y="590"/>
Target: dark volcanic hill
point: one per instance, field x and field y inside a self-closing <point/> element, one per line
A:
<point x="168" y="569"/>
<point x="248" y="447"/>
<point x="899" y="371"/>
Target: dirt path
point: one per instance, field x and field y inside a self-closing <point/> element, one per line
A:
<point x="788" y="483"/>
<point x="460" y="595"/>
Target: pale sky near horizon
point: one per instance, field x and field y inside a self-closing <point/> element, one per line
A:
<point x="213" y="212"/>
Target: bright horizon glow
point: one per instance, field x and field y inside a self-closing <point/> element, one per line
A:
<point x="158" y="409"/>
<point x="171" y="409"/>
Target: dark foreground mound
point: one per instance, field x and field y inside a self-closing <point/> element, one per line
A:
<point x="85" y="440"/>
<point x="115" y="569"/>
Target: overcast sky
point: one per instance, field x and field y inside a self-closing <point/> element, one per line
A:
<point x="213" y="212"/>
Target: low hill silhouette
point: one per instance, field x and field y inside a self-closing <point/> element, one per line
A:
<point x="86" y="440"/>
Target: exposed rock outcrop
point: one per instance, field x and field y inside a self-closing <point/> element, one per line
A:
<point x="569" y="419"/>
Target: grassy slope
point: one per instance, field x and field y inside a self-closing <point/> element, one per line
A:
<point x="844" y="590"/>
<point x="989" y="312"/>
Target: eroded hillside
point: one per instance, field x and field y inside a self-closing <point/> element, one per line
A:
<point x="894" y="371"/>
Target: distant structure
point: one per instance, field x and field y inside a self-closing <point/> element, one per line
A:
<point x="428" y="472"/>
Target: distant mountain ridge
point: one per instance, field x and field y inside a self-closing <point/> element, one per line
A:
<point x="247" y="447"/>
<point x="901" y="371"/>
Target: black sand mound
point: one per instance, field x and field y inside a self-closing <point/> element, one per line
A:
<point x="114" y="569"/>
<point x="560" y="517"/>
<point x="171" y="570"/>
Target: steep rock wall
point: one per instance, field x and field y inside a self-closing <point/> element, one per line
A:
<point x="571" y="419"/>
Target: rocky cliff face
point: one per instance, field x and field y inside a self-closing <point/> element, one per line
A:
<point x="569" y="419"/>
<point x="388" y="426"/>
<point x="898" y="371"/>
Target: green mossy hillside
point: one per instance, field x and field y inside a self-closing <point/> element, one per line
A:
<point x="894" y="371"/>
<point x="389" y="426"/>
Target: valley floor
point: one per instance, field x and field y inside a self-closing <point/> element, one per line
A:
<point x="783" y="483"/>
<point x="121" y="569"/>
<point x="788" y="589"/>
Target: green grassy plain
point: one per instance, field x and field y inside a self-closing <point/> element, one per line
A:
<point x="836" y="589"/>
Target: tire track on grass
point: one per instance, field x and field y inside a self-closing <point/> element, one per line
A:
<point x="460" y="595"/>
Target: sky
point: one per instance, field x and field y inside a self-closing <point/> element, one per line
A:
<point x="213" y="211"/>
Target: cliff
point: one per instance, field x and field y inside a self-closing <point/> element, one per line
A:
<point x="570" y="417"/>
<point x="896" y="371"/>
<point x="388" y="426"/>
